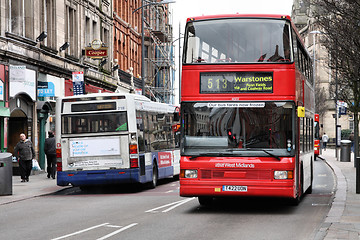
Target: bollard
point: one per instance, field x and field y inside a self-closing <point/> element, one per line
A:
<point x="357" y="160"/>
<point x="345" y="151"/>
<point x="5" y="174"/>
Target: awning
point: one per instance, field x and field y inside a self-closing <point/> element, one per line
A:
<point x="4" y="112"/>
<point x="44" y="105"/>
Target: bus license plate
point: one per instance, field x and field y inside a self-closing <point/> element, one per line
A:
<point x="227" y="188"/>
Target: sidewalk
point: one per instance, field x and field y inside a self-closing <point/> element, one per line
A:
<point x="38" y="185"/>
<point x="343" y="219"/>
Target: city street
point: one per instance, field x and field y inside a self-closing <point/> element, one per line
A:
<point x="160" y="213"/>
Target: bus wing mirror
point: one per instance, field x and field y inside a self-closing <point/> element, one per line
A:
<point x="301" y="112"/>
<point x="176" y="116"/>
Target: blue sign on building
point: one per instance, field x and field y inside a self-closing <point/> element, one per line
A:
<point x="46" y="89"/>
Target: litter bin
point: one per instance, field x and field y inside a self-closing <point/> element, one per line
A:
<point x="345" y="151"/>
<point x="5" y="174"/>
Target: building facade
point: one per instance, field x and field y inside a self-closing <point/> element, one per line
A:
<point x="42" y="44"/>
<point x="45" y="45"/>
<point x="325" y="99"/>
<point x="158" y="62"/>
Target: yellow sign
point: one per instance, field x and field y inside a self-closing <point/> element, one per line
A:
<point x="301" y="112"/>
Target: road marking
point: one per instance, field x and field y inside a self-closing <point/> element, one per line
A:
<point x="320" y="204"/>
<point x="81" y="231"/>
<point x="113" y="226"/>
<point x="117" y="231"/>
<point x="173" y="205"/>
<point x="322" y="175"/>
<point x="321" y="186"/>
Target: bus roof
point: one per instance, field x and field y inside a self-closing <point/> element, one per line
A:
<point x="92" y="95"/>
<point x="276" y="16"/>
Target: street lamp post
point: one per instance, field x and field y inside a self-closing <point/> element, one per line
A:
<point x="143" y="36"/>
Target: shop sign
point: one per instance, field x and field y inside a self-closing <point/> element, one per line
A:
<point x="97" y="50"/>
<point x="46" y="89"/>
<point x="1" y="90"/>
<point x="99" y="53"/>
<point x="78" y="83"/>
<point x="22" y="80"/>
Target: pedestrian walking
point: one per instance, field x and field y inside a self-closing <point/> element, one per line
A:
<point x="351" y="138"/>
<point x="50" y="151"/>
<point x="325" y="140"/>
<point x="25" y="153"/>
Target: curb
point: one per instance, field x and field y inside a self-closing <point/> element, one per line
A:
<point x="337" y="204"/>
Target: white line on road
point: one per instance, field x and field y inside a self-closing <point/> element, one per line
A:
<point x="174" y="205"/>
<point x="181" y="203"/>
<point x="113" y="226"/>
<point x="81" y="231"/>
<point x="117" y="231"/>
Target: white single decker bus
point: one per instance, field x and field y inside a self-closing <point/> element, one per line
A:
<point x="113" y="138"/>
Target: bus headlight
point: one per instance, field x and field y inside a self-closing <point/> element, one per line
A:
<point x="188" y="173"/>
<point x="283" y="174"/>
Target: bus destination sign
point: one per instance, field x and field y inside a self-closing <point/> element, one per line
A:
<point x="236" y="82"/>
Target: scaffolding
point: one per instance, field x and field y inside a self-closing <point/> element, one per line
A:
<point x="159" y="61"/>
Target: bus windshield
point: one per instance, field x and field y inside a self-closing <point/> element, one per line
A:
<point x="237" y="41"/>
<point x="94" y="123"/>
<point x="238" y="128"/>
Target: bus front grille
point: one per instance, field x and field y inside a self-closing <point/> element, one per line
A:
<point x="235" y="174"/>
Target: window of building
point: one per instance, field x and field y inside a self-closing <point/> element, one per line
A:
<point x="71" y="31"/>
<point x="87" y="31"/>
<point x="49" y="23"/>
<point x="21" y="17"/>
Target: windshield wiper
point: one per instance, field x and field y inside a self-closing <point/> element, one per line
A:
<point x="269" y="153"/>
<point x="215" y="154"/>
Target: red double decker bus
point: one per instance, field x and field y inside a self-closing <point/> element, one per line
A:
<point x="247" y="107"/>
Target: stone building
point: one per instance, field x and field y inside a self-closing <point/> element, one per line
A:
<point x="42" y="44"/>
<point x="45" y="43"/>
<point x="325" y="98"/>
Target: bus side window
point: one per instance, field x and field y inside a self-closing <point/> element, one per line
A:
<point x="152" y="130"/>
<point x="140" y="131"/>
<point x="146" y="132"/>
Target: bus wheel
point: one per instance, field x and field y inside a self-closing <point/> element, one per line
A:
<point x="205" y="201"/>
<point x="154" y="180"/>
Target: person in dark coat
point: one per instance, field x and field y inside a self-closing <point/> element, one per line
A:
<point x="25" y="153"/>
<point x="50" y="151"/>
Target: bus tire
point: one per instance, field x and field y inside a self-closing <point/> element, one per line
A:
<point x="205" y="201"/>
<point x="155" y="176"/>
